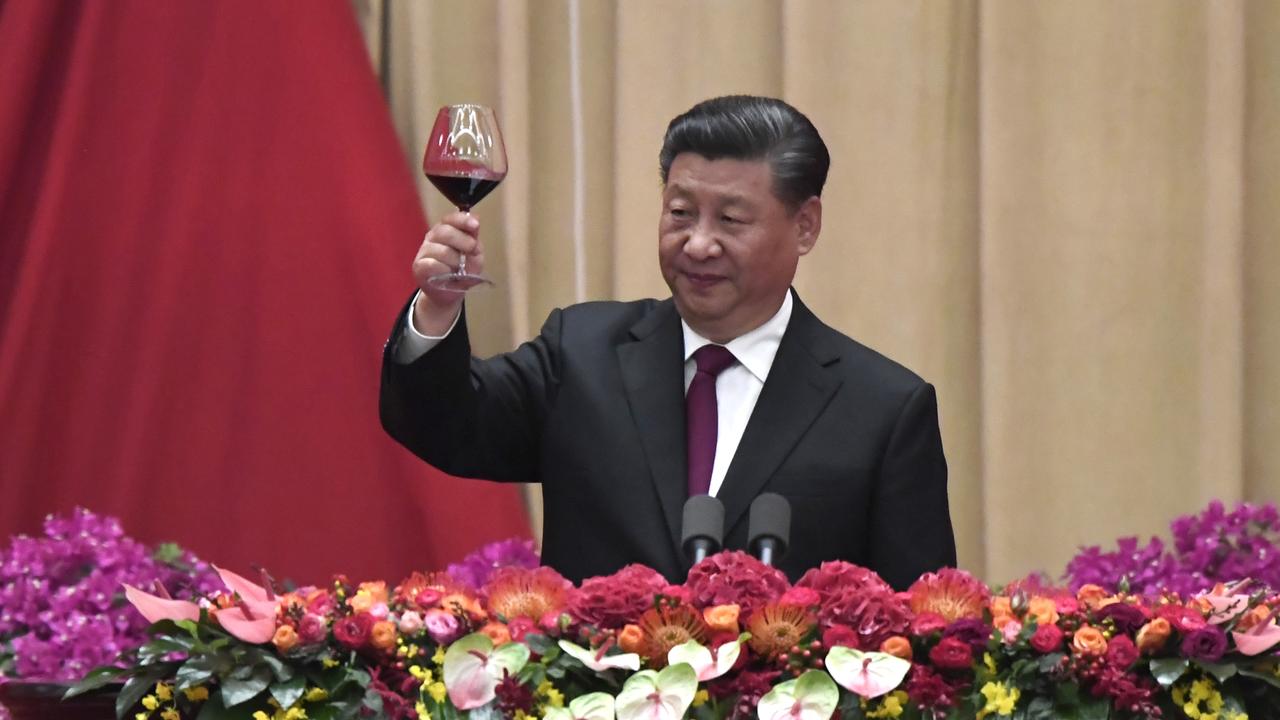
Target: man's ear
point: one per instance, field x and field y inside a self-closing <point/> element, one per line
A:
<point x="808" y="224"/>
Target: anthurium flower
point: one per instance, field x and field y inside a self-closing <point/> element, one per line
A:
<point x="473" y="667"/>
<point x="812" y="696"/>
<point x="155" y="608"/>
<point x="666" y="695"/>
<point x="1259" y="638"/>
<point x="252" y="622"/>
<point x="244" y="588"/>
<point x="866" y="674"/>
<point x="592" y="706"/>
<point x="701" y="660"/>
<point x="599" y="662"/>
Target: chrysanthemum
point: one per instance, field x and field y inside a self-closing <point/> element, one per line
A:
<point x="667" y="627"/>
<point x="953" y="594"/>
<point x="775" y="628"/>
<point x="520" y="593"/>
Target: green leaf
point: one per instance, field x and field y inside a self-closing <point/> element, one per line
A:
<point x="1268" y="678"/>
<point x="1050" y="661"/>
<point x="213" y="709"/>
<point x="98" y="678"/>
<point x="236" y="691"/>
<point x="1095" y="709"/>
<point x="1042" y="708"/>
<point x="1222" y="671"/>
<point x="290" y="691"/>
<point x="135" y="688"/>
<point x="1166" y="671"/>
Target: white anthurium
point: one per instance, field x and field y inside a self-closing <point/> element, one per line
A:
<point x="700" y="658"/>
<point x="598" y="662"/>
<point x="650" y="695"/>
<point x="473" y="667"/>
<point x="866" y="674"/>
<point x="592" y="706"/>
<point x="812" y="696"/>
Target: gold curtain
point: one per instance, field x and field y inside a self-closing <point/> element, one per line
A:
<point x="1065" y="215"/>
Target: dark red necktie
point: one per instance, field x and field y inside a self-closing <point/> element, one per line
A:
<point x="701" y="417"/>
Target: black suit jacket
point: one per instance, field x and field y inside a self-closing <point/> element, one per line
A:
<point x="593" y="408"/>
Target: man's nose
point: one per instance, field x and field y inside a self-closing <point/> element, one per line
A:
<point x="702" y="243"/>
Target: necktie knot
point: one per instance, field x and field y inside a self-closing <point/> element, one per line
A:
<point x="712" y="359"/>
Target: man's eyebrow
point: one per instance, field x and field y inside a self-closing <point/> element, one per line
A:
<point x="725" y="198"/>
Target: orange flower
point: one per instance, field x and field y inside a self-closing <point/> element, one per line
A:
<point x="631" y="639"/>
<point x="775" y="628"/>
<point x="520" y="592"/>
<point x="383" y="635"/>
<point x="666" y="627"/>
<point x="377" y="590"/>
<point x="1089" y="640"/>
<point x="722" y="618"/>
<point x="1153" y="635"/>
<point x="1000" y="621"/>
<point x="953" y="594"/>
<point x="897" y="646"/>
<point x="1043" y="609"/>
<point x="459" y="602"/>
<point x="285" y="638"/>
<point x="1251" y="619"/>
<point x="497" y="632"/>
<point x="1001" y="605"/>
<point x="1092" y="596"/>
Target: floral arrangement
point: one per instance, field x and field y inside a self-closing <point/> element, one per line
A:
<point x="1213" y="547"/>
<point x="62" y="608"/>
<point x="735" y="640"/>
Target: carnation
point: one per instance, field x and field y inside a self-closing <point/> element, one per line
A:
<point x="611" y="601"/>
<point x="735" y="577"/>
<point x="1207" y="644"/>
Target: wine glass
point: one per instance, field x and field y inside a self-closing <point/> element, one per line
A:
<point x="465" y="160"/>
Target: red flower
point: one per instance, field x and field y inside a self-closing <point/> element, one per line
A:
<point x="612" y="601"/>
<point x="1121" y="652"/>
<point x="874" y="614"/>
<point x="735" y="577"/>
<point x="927" y="624"/>
<point x="839" y="636"/>
<point x="953" y="594"/>
<point x="927" y="688"/>
<point x="800" y="597"/>
<point x="952" y="654"/>
<point x="836" y="575"/>
<point x="353" y="631"/>
<point x="1184" y="620"/>
<point x="1047" y="638"/>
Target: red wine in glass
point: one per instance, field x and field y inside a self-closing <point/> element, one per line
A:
<point x="465" y="160"/>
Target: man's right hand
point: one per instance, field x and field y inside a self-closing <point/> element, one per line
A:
<point x="442" y="249"/>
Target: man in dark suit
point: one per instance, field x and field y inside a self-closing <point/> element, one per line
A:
<point x="730" y="387"/>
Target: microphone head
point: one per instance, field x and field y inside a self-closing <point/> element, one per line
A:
<point x="703" y="520"/>
<point x="770" y="518"/>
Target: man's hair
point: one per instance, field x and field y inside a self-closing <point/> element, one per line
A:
<point x="745" y="127"/>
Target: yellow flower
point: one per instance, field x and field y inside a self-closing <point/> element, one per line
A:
<point x="990" y="662"/>
<point x="316" y="695"/>
<point x="330" y="663"/>
<point x="437" y="691"/>
<point x="522" y="715"/>
<point x="438" y="658"/>
<point x="890" y="705"/>
<point x="700" y="698"/>
<point x="1001" y="699"/>
<point x="295" y="714"/>
<point x="553" y="696"/>
<point x="259" y="715"/>
<point x="141" y="716"/>
<point x="421" y="707"/>
<point x="197" y="694"/>
<point x="164" y="692"/>
<point x="170" y="714"/>
<point x="149" y="702"/>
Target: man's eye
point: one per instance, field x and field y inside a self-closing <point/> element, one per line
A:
<point x="731" y="219"/>
<point x="677" y="212"/>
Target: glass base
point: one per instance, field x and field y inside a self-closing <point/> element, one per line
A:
<point x="458" y="282"/>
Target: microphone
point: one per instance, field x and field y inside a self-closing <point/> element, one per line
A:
<point x="769" y="529"/>
<point x="703" y="528"/>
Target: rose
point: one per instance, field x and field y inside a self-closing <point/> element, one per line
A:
<point x="352" y="631"/>
<point x="1010" y="632"/>
<point x="1091" y="596"/>
<point x="722" y="618"/>
<point x="383" y="635"/>
<point x="800" y="597"/>
<point x="952" y="654"/>
<point x="839" y="636"/>
<point x="897" y="646"/>
<point x="520" y="628"/>
<point x="1067" y="605"/>
<point x="285" y="638"/>
<point x="1001" y="605"/>
<point x="631" y="639"/>
<point x="1047" y="638"/>
<point x="927" y="623"/>
<point x="442" y="626"/>
<point x="1043" y="609"/>
<point x="410" y="622"/>
<point x="1088" y="640"/>
<point x="1184" y="620"/>
<point x="1127" y="618"/>
<point x="497" y="632"/>
<point x="312" y="629"/>
<point x="1153" y="635"/>
<point x="1121" y="652"/>
<point x="428" y="598"/>
<point x="1205" y="645"/>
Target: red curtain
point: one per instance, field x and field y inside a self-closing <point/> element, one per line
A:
<point x="206" y="226"/>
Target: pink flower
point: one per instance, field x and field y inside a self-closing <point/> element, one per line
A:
<point x="1066" y="605"/>
<point x="612" y="601"/>
<point x="1047" y="638"/>
<point x="442" y="626"/>
<point x="410" y="623"/>
<point x="836" y="575"/>
<point x="312" y="629"/>
<point x="800" y="597"/>
<point x="1121" y="652"/>
<point x="521" y="627"/>
<point x="379" y="610"/>
<point x="1010" y="632"/>
<point x="678" y="593"/>
<point x="872" y="613"/>
<point x="155" y="608"/>
<point x="952" y="654"/>
<point x="353" y="631"/>
<point x="839" y="636"/>
<point x="735" y="578"/>
<point x="927" y="624"/>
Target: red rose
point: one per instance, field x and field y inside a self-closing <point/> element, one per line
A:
<point x="1047" y="638"/>
<point x="800" y="597"/>
<point x="428" y="598"/>
<point x="927" y="623"/>
<point x="1066" y="605"/>
<point x="1184" y="620"/>
<point x="353" y="631"/>
<point x="312" y="629"/>
<point x="1121" y="652"/>
<point x="839" y="636"/>
<point x="952" y="654"/>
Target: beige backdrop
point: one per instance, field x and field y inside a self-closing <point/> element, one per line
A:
<point x="1065" y="215"/>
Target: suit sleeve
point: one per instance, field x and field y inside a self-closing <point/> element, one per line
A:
<point x="910" y="519"/>
<point x="471" y="417"/>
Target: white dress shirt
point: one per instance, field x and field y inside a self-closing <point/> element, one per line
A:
<point x="737" y="386"/>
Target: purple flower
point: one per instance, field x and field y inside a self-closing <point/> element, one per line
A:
<point x="1207" y="644"/>
<point x="475" y="569"/>
<point x="973" y="632"/>
<point x="1128" y="619"/>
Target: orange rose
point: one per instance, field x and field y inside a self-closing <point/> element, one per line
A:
<point x="285" y="638"/>
<point x="1091" y="596"/>
<point x="1000" y="621"/>
<point x="383" y="635"/>
<point x="897" y="646"/>
<point x="631" y="639"/>
<point x="722" y="618"/>
<point x="1001" y="605"/>
<point x="497" y="632"/>
<point x="1043" y="609"/>
<point x="1089" y="640"/>
<point x="361" y="602"/>
<point x="1153" y="635"/>
<point x="377" y="590"/>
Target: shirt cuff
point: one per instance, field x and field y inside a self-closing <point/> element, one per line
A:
<point x="414" y="344"/>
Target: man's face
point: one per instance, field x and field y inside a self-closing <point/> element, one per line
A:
<point x="727" y="246"/>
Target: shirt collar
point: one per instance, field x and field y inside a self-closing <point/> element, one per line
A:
<point x="755" y="349"/>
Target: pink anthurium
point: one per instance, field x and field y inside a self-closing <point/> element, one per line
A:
<point x="252" y="622"/>
<point x="1259" y="638"/>
<point x="244" y="588"/>
<point x="155" y="608"/>
<point x="701" y="660"/>
<point x="650" y="695"/>
<point x="812" y="696"/>
<point x="866" y="674"/>
<point x="473" y="667"/>
<point x="598" y="661"/>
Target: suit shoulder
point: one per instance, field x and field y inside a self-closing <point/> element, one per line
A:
<point x="868" y="366"/>
<point x="603" y="317"/>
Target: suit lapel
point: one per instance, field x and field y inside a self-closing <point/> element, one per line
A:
<point x="652" y="367"/>
<point x="798" y="387"/>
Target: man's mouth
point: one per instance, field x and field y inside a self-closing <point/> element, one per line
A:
<point x="702" y="280"/>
